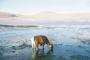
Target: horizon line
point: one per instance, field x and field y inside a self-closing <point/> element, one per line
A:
<point x="36" y="12"/>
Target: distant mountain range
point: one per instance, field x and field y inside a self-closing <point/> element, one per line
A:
<point x="54" y="15"/>
<point x="45" y="17"/>
<point x="45" y="14"/>
<point x="7" y="15"/>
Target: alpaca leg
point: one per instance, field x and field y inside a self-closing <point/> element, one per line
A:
<point x="43" y="47"/>
<point x="33" y="43"/>
<point x="36" y="46"/>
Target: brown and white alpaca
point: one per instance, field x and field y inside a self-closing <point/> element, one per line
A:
<point x="40" y="40"/>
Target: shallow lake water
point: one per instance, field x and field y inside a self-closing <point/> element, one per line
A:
<point x="71" y="42"/>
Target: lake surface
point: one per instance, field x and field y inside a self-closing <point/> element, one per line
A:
<point x="71" y="42"/>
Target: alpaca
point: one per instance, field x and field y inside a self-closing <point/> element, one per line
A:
<point x="40" y="40"/>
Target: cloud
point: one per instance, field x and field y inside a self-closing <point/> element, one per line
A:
<point x="23" y="6"/>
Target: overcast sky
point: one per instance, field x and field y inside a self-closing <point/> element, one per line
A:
<point x="34" y="6"/>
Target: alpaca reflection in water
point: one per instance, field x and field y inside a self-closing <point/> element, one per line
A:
<point x="40" y="54"/>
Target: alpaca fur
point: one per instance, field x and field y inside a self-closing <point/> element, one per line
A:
<point x="40" y="40"/>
